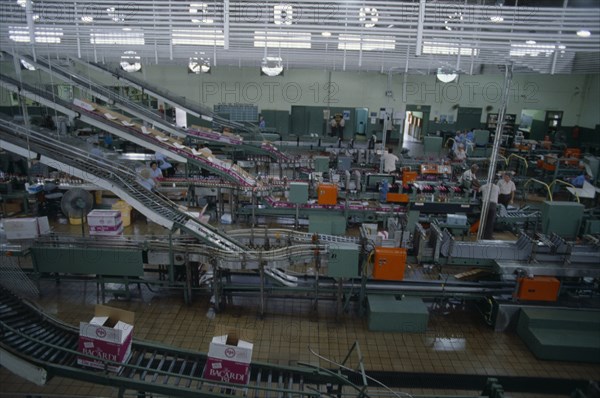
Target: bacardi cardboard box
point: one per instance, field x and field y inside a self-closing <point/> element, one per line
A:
<point x="107" y="336"/>
<point x="104" y="218"/>
<point x="229" y="359"/>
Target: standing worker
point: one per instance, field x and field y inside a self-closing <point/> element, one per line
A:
<point x="507" y="188"/>
<point x="167" y="168"/>
<point x="389" y="161"/>
<point x="493" y="204"/>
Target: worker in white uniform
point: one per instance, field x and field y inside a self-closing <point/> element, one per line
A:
<point x="507" y="190"/>
<point x="389" y="161"/>
<point x="468" y="179"/>
<point x="493" y="204"/>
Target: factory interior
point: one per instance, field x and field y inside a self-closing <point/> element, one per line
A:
<point x="300" y="199"/>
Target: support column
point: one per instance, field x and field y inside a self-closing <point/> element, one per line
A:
<point x="495" y="148"/>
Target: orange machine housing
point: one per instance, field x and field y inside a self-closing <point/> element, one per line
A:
<point x="390" y="263"/>
<point x="327" y="194"/>
<point x="397" y="198"/>
<point x="409" y="176"/>
<point x="574" y="154"/>
<point x="538" y="288"/>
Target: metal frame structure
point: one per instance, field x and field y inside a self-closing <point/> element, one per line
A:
<point x="367" y="35"/>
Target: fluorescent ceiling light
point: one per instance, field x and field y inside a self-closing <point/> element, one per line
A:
<point x="106" y="36"/>
<point x="130" y="61"/>
<point x="584" y="33"/>
<point x="366" y="42"/>
<point x="533" y="50"/>
<point x="282" y="39"/>
<point x="497" y="19"/>
<point x="27" y="65"/>
<point x="20" y="34"/>
<point x="198" y="37"/>
<point x="272" y="66"/>
<point x="326" y="34"/>
<point x="446" y="76"/>
<point x="87" y="19"/>
<point x="530" y="42"/>
<point x="442" y="48"/>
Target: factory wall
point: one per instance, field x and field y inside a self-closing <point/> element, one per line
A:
<point x="577" y="95"/>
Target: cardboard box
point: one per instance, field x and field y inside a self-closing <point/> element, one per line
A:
<point x="229" y="359"/>
<point x="26" y="228"/>
<point x="104" y="217"/>
<point x="107" y="336"/>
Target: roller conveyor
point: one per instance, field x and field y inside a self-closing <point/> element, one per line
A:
<point x="195" y="109"/>
<point x="149" y="114"/>
<point x="39" y="340"/>
<point x="131" y="133"/>
<point x="110" y="176"/>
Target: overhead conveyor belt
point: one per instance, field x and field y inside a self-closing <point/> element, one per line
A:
<point x="28" y="337"/>
<point x="150" y="115"/>
<point x="125" y="128"/>
<point x="110" y="176"/>
<point x="191" y="107"/>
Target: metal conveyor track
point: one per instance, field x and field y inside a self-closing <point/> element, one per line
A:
<point x="39" y="340"/>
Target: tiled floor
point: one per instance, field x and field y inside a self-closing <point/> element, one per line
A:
<point x="457" y="340"/>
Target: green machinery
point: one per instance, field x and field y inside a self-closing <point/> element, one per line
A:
<point x="562" y="218"/>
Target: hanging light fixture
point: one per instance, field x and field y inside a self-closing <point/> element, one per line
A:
<point x="446" y="76"/>
<point x="272" y="66"/>
<point x="199" y="64"/>
<point x="131" y="62"/>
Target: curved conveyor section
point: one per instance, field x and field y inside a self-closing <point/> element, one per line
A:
<point x="31" y="339"/>
<point x="113" y="177"/>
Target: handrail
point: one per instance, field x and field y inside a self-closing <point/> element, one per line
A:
<point x="518" y="157"/>
<point x="566" y="183"/>
<point x="539" y="182"/>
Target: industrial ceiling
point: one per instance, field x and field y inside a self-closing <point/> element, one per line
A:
<point x="416" y="37"/>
